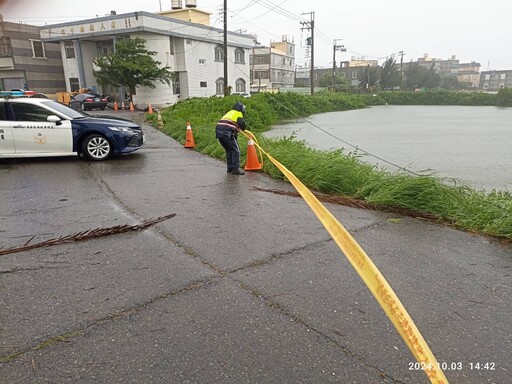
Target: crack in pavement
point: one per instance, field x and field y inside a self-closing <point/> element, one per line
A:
<point x="195" y="285"/>
<point x="16" y="269"/>
<point x="344" y="349"/>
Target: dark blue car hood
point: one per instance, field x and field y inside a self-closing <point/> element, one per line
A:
<point x="106" y="120"/>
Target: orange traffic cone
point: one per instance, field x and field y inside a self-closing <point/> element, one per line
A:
<point x="252" y="163"/>
<point x="150" y="109"/>
<point x="189" y="138"/>
<point x="131" y="107"/>
<point x="115" y="106"/>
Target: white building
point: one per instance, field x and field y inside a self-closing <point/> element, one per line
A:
<point x="189" y="47"/>
<point x="273" y="68"/>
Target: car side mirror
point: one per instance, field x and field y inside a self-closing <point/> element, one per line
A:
<point x="54" y="119"/>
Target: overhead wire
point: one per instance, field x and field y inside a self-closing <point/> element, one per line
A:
<point x="348" y="143"/>
<point x="274" y="8"/>
<point x="336" y="137"/>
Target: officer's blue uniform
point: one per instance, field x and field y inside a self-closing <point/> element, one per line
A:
<point x="227" y="132"/>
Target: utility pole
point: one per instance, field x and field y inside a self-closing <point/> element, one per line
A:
<point x="401" y="53"/>
<point x="335" y="47"/>
<point x="225" y="16"/>
<point x="310" y="25"/>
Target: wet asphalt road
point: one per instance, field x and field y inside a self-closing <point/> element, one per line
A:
<point x="241" y="286"/>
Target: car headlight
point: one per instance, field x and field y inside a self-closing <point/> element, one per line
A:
<point x="122" y="129"/>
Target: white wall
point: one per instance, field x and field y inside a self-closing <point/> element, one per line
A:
<point x="70" y="66"/>
<point x="89" y="53"/>
<point x="162" y="95"/>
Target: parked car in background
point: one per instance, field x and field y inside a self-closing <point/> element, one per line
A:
<point x="39" y="95"/>
<point x="39" y="127"/>
<point x="243" y="94"/>
<point x="88" y="101"/>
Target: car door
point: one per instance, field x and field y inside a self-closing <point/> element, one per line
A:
<point x="33" y="133"/>
<point x="6" y="138"/>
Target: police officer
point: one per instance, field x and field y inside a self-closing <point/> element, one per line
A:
<point x="227" y="132"/>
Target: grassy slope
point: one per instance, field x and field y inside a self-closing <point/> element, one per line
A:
<point x="339" y="173"/>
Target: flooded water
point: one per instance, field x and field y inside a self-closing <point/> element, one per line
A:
<point x="470" y="144"/>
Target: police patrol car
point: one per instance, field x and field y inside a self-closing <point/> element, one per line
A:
<point x="37" y="127"/>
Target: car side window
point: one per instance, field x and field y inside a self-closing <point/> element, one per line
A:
<point x="2" y="111"/>
<point x="29" y="112"/>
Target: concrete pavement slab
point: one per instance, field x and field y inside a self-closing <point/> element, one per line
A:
<point x="218" y="333"/>
<point x="53" y="291"/>
<point x="461" y="308"/>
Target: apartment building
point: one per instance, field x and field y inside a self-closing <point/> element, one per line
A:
<point x="27" y="62"/>
<point x="469" y="74"/>
<point x="273" y="67"/>
<point x="493" y="81"/>
<point x="445" y="67"/>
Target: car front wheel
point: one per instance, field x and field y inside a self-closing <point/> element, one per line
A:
<point x="96" y="147"/>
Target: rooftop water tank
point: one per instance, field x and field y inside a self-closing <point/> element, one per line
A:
<point x="176" y="4"/>
<point x="190" y="3"/>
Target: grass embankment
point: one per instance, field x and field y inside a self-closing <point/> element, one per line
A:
<point x="337" y="172"/>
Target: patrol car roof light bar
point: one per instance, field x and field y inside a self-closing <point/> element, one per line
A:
<point x="8" y="94"/>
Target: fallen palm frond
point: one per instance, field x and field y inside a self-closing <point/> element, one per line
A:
<point x="86" y="235"/>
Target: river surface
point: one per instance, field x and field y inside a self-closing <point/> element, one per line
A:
<point x="470" y="144"/>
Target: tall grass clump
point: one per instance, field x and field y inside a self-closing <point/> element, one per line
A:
<point x="504" y="97"/>
<point x="337" y="172"/>
<point x="438" y="98"/>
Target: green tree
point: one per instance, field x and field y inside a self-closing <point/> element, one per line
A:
<point x="449" y="82"/>
<point x="341" y="83"/>
<point x="131" y="65"/>
<point x="390" y="74"/>
<point x="420" y="77"/>
<point x="369" y="79"/>
<point x="504" y="97"/>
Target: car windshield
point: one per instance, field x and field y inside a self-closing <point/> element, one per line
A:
<point x="64" y="109"/>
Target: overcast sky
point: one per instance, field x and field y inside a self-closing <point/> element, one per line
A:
<point x="471" y="30"/>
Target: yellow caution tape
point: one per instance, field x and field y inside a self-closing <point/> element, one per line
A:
<point x="370" y="274"/>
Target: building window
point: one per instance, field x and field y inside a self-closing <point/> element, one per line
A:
<point x="239" y="56"/>
<point x="203" y="84"/>
<point x="219" y="86"/>
<point x="70" y="49"/>
<point x="261" y="74"/>
<point x="262" y="59"/>
<point x="240" y="85"/>
<point x="38" y="49"/>
<point x="501" y="86"/>
<point x="74" y="85"/>
<point x="5" y="46"/>
<point x="487" y="77"/>
<point x="503" y="76"/>
<point x="171" y="46"/>
<point x="219" y="53"/>
<point x="176" y="87"/>
<point x="202" y="61"/>
<point x="486" y="85"/>
<point x="354" y="75"/>
<point x="105" y="47"/>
